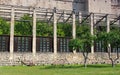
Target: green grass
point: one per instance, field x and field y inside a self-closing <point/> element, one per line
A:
<point x="60" y="70"/>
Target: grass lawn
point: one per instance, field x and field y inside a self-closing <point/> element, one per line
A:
<point x="60" y="70"/>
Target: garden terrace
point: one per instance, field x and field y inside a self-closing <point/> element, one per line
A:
<point x="34" y="44"/>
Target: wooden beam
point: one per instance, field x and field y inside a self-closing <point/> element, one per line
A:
<point x="60" y="16"/>
<point x="50" y="18"/>
<point x="46" y="15"/>
<point x="101" y="19"/>
<point x="23" y="20"/>
<point x="118" y="18"/>
<point x="68" y="18"/>
<point x="85" y="18"/>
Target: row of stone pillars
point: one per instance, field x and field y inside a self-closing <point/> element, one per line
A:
<point x="54" y="30"/>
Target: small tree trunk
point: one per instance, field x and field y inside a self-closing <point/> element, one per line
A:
<point x="85" y="58"/>
<point x="85" y="62"/>
<point x="112" y="59"/>
<point x="113" y="64"/>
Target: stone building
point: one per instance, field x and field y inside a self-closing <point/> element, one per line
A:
<point x="95" y="6"/>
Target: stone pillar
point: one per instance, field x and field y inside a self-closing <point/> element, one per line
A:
<point x="108" y="28"/>
<point x="119" y="22"/>
<point x="92" y="30"/>
<point x="73" y="27"/>
<point x="12" y="33"/>
<point x="34" y="33"/>
<point x="55" y="31"/>
<point x="108" y="24"/>
<point x="80" y="17"/>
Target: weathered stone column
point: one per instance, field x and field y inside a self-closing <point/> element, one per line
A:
<point x="12" y="33"/>
<point x="80" y="17"/>
<point x="92" y="30"/>
<point x="34" y="33"/>
<point x="108" y="28"/>
<point x="55" y="31"/>
<point x="108" y="24"/>
<point x="119" y="22"/>
<point x="73" y="27"/>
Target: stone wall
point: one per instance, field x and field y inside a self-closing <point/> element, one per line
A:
<point x="95" y="6"/>
<point x="78" y="5"/>
<point x="51" y="58"/>
<point x="40" y="3"/>
<point x="99" y="6"/>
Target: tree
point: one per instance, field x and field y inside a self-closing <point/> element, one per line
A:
<point x="83" y="42"/>
<point x="112" y="38"/>
<point x="83" y="45"/>
<point x="64" y="30"/>
<point x="24" y="25"/>
<point x="43" y="29"/>
<point x="4" y="26"/>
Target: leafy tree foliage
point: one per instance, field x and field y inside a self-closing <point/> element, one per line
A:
<point x="43" y="29"/>
<point x="112" y="38"/>
<point x="64" y="30"/>
<point x="4" y="26"/>
<point x="83" y="41"/>
<point x="76" y="44"/>
<point x="24" y="25"/>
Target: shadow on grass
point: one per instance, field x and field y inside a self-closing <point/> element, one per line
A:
<point x="76" y="66"/>
<point x="62" y="66"/>
<point x="99" y="66"/>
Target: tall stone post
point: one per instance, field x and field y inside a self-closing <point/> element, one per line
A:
<point x="92" y="30"/>
<point x="73" y="27"/>
<point x="119" y="22"/>
<point x="80" y="17"/>
<point x="34" y="33"/>
<point x="55" y="31"/>
<point x="108" y="28"/>
<point x="12" y="33"/>
<point x="108" y="24"/>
